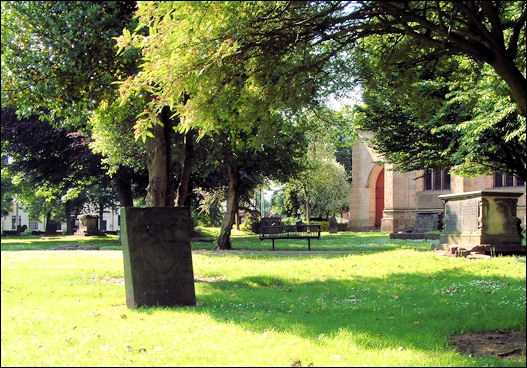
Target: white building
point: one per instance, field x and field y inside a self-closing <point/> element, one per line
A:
<point x="20" y="216"/>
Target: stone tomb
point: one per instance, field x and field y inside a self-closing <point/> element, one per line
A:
<point x="481" y="219"/>
<point x="88" y="225"/>
<point x="157" y="256"/>
<point x="428" y="221"/>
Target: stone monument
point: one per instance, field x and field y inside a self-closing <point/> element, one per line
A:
<point x="157" y="256"/>
<point x="333" y="225"/>
<point x="88" y="225"/>
<point x="482" y="220"/>
<point x="428" y="221"/>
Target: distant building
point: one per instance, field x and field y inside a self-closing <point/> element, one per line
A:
<point x="19" y="216"/>
<point x="389" y="200"/>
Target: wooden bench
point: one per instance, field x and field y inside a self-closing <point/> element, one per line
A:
<point x="302" y="231"/>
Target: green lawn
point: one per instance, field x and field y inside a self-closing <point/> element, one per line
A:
<point x="370" y="241"/>
<point x="391" y="308"/>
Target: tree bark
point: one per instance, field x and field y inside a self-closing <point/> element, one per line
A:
<point x="224" y="241"/>
<point x="160" y="192"/>
<point x="517" y="83"/>
<point x="123" y="181"/>
<point x="308" y="214"/>
<point x="101" y="215"/>
<point x="48" y="225"/>
<point x="69" y="225"/>
<point x="184" y="188"/>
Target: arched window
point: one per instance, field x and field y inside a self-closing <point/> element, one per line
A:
<point x="437" y="179"/>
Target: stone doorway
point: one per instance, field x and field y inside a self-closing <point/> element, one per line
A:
<point x="379" y="198"/>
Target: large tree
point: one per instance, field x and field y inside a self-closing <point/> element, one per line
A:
<point x="59" y="61"/>
<point x="193" y="68"/>
<point x="52" y="165"/>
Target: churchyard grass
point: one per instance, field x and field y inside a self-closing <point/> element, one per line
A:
<point x="388" y="308"/>
<point x="49" y="242"/>
<point x="370" y="241"/>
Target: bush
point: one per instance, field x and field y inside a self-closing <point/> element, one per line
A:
<point x="324" y="225"/>
<point x="251" y="224"/>
<point x="343" y="226"/>
<point x="289" y="220"/>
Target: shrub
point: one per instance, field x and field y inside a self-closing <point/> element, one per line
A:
<point x="251" y="224"/>
<point x="343" y="226"/>
<point x="324" y="225"/>
<point x="289" y="221"/>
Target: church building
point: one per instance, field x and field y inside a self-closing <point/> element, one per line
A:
<point x="388" y="200"/>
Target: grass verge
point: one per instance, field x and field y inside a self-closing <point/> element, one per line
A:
<point x="391" y="308"/>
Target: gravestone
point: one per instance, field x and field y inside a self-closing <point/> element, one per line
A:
<point x="88" y="225"/>
<point x="157" y="256"/>
<point x="333" y="225"/>
<point x="428" y="221"/>
<point x="481" y="219"/>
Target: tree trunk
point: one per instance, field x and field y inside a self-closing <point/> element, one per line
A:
<point x="517" y="83"/>
<point x="123" y="181"/>
<point x="159" y="191"/>
<point x="224" y="241"/>
<point x="306" y="196"/>
<point x="101" y="215"/>
<point x="48" y="230"/>
<point x="184" y="189"/>
<point x="237" y="218"/>
<point x="69" y="225"/>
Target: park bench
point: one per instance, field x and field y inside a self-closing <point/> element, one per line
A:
<point x="276" y="231"/>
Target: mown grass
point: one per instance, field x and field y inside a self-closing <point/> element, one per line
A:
<point x="49" y="242"/>
<point x="372" y="241"/>
<point x="392" y="308"/>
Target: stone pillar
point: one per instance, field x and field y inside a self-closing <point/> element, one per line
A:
<point x="399" y="200"/>
<point x="362" y="191"/>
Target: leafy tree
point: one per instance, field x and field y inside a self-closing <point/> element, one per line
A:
<point x="59" y="61"/>
<point x="209" y="209"/>
<point x="57" y="163"/>
<point x="193" y="67"/>
<point x="319" y="191"/>
<point x="255" y="38"/>
<point x="8" y="188"/>
<point x="437" y="117"/>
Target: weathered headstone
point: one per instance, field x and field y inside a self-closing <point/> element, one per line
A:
<point x="157" y="256"/>
<point x="482" y="218"/>
<point x="428" y="221"/>
<point x="88" y="225"/>
<point x="333" y="226"/>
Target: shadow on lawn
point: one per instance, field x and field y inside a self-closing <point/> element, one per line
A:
<point x="370" y="241"/>
<point x="410" y="310"/>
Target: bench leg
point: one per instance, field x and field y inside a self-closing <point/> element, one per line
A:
<point x="308" y="244"/>
<point x="273" y="243"/>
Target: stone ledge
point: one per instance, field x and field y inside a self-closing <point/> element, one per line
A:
<point x="429" y="236"/>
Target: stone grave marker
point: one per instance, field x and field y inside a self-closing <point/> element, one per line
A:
<point x="157" y="256"/>
<point x="333" y="225"/>
<point x="88" y="225"/>
<point x="482" y="218"/>
<point x="428" y="221"/>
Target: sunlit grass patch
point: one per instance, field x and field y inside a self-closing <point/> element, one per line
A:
<point x="393" y="308"/>
<point x="49" y="242"/>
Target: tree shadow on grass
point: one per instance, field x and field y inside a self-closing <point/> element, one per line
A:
<point x="371" y="242"/>
<point x="412" y="310"/>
